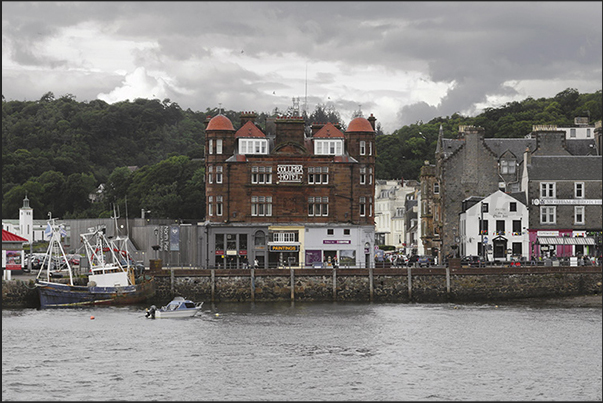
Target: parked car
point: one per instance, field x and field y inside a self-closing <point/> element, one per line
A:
<point x="400" y="261"/>
<point x="425" y="261"/>
<point x="472" y="261"/>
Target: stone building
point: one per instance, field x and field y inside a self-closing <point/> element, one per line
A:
<point x="564" y="193"/>
<point x="297" y="197"/>
<point x="474" y="166"/>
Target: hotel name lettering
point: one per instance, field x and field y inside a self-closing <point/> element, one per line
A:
<point x="290" y="173"/>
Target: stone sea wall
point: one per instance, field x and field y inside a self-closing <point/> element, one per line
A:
<point x="401" y="285"/>
<point x="378" y="285"/>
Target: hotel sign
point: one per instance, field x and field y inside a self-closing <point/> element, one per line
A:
<point x="290" y="173"/>
<point x="557" y="202"/>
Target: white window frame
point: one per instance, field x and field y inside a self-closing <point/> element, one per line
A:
<point x="284" y="237"/>
<point x="210" y="174"/>
<point x="261" y="206"/>
<point x="362" y="206"/>
<point x="318" y="175"/>
<point x="219" y="176"/>
<point x="507" y="166"/>
<point x="210" y="146"/>
<point x="210" y="205"/>
<point x="579" y="190"/>
<point x="219" y="205"/>
<point x="328" y="147"/>
<point x="318" y="206"/>
<point x="362" y="175"/>
<point x="219" y="143"/>
<point x="579" y="215"/>
<point x="261" y="175"/>
<point x="436" y="188"/>
<point x="547" y="190"/>
<point x="548" y="215"/>
<point x="362" y="147"/>
<point x="253" y="146"/>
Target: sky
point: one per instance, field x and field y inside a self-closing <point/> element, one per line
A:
<point x="403" y="62"/>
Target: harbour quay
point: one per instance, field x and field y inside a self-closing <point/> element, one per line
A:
<point x="398" y="285"/>
<point x="394" y="285"/>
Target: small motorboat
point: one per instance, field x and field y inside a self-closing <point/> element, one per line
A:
<point x="177" y="308"/>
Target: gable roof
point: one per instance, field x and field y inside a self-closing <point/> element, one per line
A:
<point x="329" y="131"/>
<point x="10" y="237"/>
<point x="249" y="129"/>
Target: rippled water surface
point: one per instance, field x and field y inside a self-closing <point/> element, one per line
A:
<point x="305" y="351"/>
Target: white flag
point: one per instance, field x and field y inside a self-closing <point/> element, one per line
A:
<point x="48" y="232"/>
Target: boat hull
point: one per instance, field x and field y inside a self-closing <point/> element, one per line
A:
<point x="59" y="295"/>
<point x="188" y="313"/>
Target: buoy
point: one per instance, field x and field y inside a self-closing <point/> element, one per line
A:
<point x="92" y="317"/>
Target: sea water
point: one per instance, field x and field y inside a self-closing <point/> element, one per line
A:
<point x="305" y="351"/>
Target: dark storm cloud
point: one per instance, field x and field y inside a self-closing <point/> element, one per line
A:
<point x="474" y="48"/>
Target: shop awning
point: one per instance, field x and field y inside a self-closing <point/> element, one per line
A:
<point x="559" y="240"/>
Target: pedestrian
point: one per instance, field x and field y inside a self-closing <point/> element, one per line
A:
<point x="255" y="263"/>
<point x="335" y="264"/>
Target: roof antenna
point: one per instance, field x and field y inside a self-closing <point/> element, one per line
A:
<point x="306" y="94"/>
<point x="219" y="108"/>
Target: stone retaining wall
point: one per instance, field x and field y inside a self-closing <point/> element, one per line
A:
<point x="355" y="285"/>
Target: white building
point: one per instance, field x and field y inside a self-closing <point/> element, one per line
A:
<point x="504" y="231"/>
<point x="582" y="129"/>
<point x="26" y="227"/>
<point x="390" y="209"/>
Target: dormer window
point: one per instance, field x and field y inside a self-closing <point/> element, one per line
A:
<point x="328" y="147"/>
<point x="507" y="166"/>
<point x="253" y="146"/>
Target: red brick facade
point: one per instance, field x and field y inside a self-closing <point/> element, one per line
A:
<point x="253" y="178"/>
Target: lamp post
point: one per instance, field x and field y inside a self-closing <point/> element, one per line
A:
<point x="483" y="208"/>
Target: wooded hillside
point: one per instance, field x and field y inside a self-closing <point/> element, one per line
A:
<point x="149" y="153"/>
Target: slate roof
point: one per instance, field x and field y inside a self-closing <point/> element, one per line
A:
<point x="565" y="167"/>
<point x="517" y="146"/>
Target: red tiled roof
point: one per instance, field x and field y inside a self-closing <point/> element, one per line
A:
<point x="328" y="131"/>
<point x="10" y="237"/>
<point x="220" y="122"/>
<point x="249" y="129"/>
<point x="360" y="125"/>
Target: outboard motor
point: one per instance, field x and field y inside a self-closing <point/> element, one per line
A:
<point x="151" y="312"/>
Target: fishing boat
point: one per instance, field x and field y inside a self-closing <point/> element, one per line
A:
<point x="111" y="281"/>
<point x="177" y="308"/>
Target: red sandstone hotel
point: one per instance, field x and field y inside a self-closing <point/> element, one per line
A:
<point x="289" y="198"/>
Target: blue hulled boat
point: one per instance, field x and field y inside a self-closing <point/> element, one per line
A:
<point x="111" y="281"/>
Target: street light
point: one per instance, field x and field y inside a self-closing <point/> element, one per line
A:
<point x="483" y="209"/>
